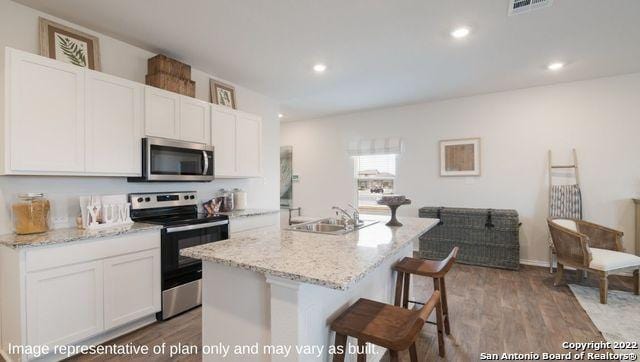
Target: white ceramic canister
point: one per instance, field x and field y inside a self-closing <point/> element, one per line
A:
<point x="239" y="199"/>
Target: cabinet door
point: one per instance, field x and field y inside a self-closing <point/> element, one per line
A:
<point x="249" y="145"/>
<point x="162" y="113"/>
<point x="223" y="139"/>
<point x="45" y="125"/>
<point x="64" y="304"/>
<point x="131" y="287"/>
<point x="195" y="120"/>
<point x="114" y="125"/>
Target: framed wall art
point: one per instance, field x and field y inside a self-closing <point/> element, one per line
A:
<point x="68" y="45"/>
<point x="460" y="157"/>
<point x="222" y="94"/>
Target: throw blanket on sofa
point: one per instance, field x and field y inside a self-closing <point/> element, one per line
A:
<point x="565" y="202"/>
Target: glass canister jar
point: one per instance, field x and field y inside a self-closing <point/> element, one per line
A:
<point x="227" y="200"/>
<point x="30" y="213"/>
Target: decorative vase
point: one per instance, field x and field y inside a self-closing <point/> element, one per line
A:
<point x="394" y="202"/>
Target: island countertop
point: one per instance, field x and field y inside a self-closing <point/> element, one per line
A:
<point x="333" y="261"/>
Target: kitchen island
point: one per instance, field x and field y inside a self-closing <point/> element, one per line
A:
<point x="270" y="291"/>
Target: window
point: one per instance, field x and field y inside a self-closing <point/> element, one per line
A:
<point x="375" y="176"/>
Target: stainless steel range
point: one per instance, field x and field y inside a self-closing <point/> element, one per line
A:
<point x="184" y="227"/>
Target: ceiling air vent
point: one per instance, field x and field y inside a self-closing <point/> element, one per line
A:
<point x="523" y="6"/>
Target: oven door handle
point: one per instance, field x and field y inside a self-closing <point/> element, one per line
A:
<point x="206" y="163"/>
<point x="196" y="226"/>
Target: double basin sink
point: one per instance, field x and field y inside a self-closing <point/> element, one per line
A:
<point x="331" y="226"/>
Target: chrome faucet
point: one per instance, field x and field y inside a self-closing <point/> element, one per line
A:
<point x="356" y="214"/>
<point x="355" y="218"/>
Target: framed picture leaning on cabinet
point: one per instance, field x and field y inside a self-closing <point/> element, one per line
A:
<point x="69" y="45"/>
<point x="222" y="94"/>
<point x="460" y="157"/>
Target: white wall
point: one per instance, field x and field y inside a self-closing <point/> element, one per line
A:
<point x="600" y="118"/>
<point x="19" y="29"/>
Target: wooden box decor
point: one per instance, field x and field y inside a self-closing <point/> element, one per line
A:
<point x="171" y="83"/>
<point x="170" y="74"/>
<point x="486" y="237"/>
<point x="163" y="64"/>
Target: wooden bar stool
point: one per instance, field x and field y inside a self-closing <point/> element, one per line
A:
<point x="392" y="327"/>
<point x="432" y="269"/>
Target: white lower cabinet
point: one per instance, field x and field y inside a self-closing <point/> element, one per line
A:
<point x="80" y="292"/>
<point x="64" y="304"/>
<point x="139" y="296"/>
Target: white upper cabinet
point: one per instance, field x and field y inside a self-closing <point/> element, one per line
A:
<point x="61" y="119"/>
<point x="162" y="113"/>
<point x="45" y="116"/>
<point x="114" y="125"/>
<point x="223" y="139"/>
<point x="249" y="145"/>
<point x="237" y="138"/>
<point x="195" y="120"/>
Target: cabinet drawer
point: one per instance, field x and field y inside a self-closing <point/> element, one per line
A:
<point x="83" y="251"/>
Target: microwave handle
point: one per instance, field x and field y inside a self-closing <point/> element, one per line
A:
<point x="206" y="163"/>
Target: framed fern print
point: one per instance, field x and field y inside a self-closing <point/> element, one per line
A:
<point x="68" y="45"/>
<point x="222" y="94"/>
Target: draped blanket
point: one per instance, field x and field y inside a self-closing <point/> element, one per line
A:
<point x="565" y="202"/>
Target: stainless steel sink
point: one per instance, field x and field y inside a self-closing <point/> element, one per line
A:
<point x="330" y="226"/>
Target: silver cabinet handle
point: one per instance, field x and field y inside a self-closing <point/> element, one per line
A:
<point x="206" y="163"/>
<point x="196" y="226"/>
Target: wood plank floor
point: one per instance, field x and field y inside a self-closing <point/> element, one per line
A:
<point x="492" y="311"/>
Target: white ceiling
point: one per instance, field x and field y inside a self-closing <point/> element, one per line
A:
<point x="378" y="52"/>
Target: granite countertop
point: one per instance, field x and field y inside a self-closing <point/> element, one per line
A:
<point x="249" y="212"/>
<point x="68" y="235"/>
<point x="333" y="261"/>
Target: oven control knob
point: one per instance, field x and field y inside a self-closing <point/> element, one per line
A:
<point x="147" y="199"/>
<point x="192" y="197"/>
<point x="140" y="199"/>
<point x="186" y="197"/>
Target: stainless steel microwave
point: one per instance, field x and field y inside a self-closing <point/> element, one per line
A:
<point x="171" y="160"/>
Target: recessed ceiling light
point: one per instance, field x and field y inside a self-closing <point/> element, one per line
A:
<point x="555" y="66"/>
<point x="461" y="32"/>
<point x="280" y="115"/>
<point x="319" y="68"/>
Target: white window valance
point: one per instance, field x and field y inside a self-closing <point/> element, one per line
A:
<point x="376" y="146"/>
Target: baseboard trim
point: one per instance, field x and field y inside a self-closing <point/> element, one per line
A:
<point x="534" y="262"/>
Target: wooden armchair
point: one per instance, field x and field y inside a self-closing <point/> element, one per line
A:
<point x="594" y="248"/>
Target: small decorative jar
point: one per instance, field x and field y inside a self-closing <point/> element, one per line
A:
<point x="239" y="199"/>
<point x="30" y="214"/>
<point x="227" y="205"/>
